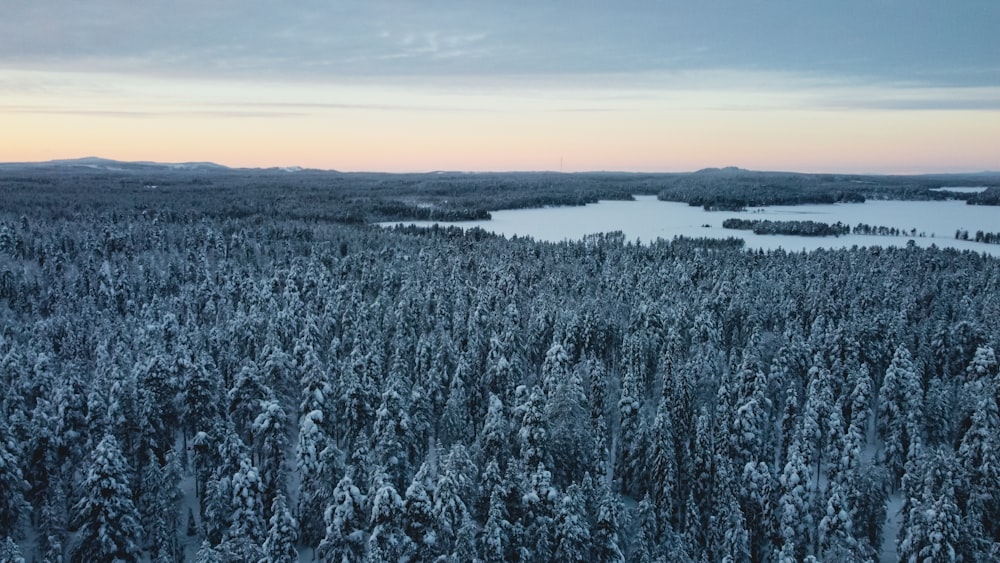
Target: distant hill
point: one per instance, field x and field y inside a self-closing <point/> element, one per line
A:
<point x="108" y="165"/>
<point x="726" y="170"/>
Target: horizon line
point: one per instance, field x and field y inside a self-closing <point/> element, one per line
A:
<point x="293" y="168"/>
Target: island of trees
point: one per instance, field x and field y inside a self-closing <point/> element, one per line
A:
<point x="796" y="228"/>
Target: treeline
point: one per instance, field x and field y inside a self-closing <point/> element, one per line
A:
<point x="795" y="228"/>
<point x="980" y="236"/>
<point x="357" y="198"/>
<point x="881" y="230"/>
<point x="341" y="392"/>
<point x="820" y="229"/>
<point x="990" y="196"/>
<point x="732" y="189"/>
<point x="313" y="195"/>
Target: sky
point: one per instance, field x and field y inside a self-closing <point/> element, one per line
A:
<point x="865" y="86"/>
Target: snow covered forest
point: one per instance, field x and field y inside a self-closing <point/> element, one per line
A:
<point x="208" y="386"/>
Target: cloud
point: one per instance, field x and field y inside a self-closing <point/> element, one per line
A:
<point x="935" y="42"/>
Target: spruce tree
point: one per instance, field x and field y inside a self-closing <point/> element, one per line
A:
<point x="105" y="517"/>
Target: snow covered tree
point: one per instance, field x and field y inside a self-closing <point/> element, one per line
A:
<point x="358" y="398"/>
<point x="160" y="507"/>
<point x="201" y="400"/>
<point x="570" y="442"/>
<point x="247" y="531"/>
<point x="346" y="525"/>
<point x="10" y="552"/>
<point x="454" y="425"/>
<point x="661" y="464"/>
<point x="755" y="495"/>
<point x="979" y="459"/>
<point x="933" y="530"/>
<point x="496" y="531"/>
<point x="316" y="390"/>
<point x="419" y="520"/>
<point x="794" y="519"/>
<point x="983" y="365"/>
<point x="270" y="441"/>
<point x="282" y="534"/>
<point x="572" y="531"/>
<point x="388" y="540"/>
<point x="157" y="390"/>
<point x="532" y="435"/>
<point x="105" y="518"/>
<point x="728" y="540"/>
<point x="835" y="528"/>
<point x="248" y="392"/>
<point x="390" y="438"/>
<point x="319" y="465"/>
<point x="455" y="483"/>
<point x="900" y="407"/>
<point x="13" y="506"/>
<point x="538" y="514"/>
<point x="605" y="537"/>
<point x="646" y="528"/>
<point x="494" y="438"/>
<point x="207" y="554"/>
<point x="631" y="442"/>
<point x="555" y="368"/>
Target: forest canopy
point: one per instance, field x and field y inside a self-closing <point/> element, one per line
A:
<point x="236" y="368"/>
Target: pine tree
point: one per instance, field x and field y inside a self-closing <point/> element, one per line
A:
<point x="606" y="542"/>
<point x="10" y="552"/>
<point x="454" y="484"/>
<point x="555" y="368"/>
<point x="201" y="397"/>
<point x="729" y="539"/>
<point x="313" y="381"/>
<point x="358" y="394"/>
<point x="570" y="442"/>
<point x="533" y="435"/>
<point x="900" y="407"/>
<point x="494" y="438"/>
<point x="247" y="531"/>
<point x="282" y="534"/>
<point x="346" y="525"/>
<point x="497" y="529"/>
<point x="388" y="541"/>
<point x="105" y="518"/>
<point x="270" y="441"/>
<point x="160" y="505"/>
<point x="835" y="530"/>
<point x="13" y="506"/>
<point x="631" y="441"/>
<point x="319" y="464"/>
<point x="391" y="438"/>
<point x="156" y="396"/>
<point x="248" y="392"/>
<point x="454" y="426"/>
<point x="980" y="462"/>
<point x="933" y="531"/>
<point x="572" y="533"/>
<point x="646" y="541"/>
<point x="661" y="463"/>
<point x="52" y="524"/>
<point x="207" y="554"/>
<point x="538" y="513"/>
<point x="794" y="520"/>
<point x="419" y="521"/>
<point x="755" y="495"/>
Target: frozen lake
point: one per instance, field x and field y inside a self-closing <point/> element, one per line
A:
<point x="647" y="219"/>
